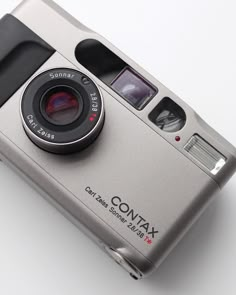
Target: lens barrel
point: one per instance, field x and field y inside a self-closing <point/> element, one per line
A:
<point x="62" y="111"/>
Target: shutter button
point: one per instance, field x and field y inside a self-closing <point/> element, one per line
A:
<point x="134" y="273"/>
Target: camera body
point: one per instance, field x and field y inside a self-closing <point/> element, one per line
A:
<point x="118" y="153"/>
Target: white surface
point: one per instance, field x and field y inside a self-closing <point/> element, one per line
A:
<point x="190" y="47"/>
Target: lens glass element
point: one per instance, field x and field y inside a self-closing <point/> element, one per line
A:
<point x="61" y="105"/>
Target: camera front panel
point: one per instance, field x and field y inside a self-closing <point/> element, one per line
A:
<point x="143" y="179"/>
<point x="122" y="179"/>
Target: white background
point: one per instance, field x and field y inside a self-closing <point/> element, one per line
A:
<point x="190" y="47"/>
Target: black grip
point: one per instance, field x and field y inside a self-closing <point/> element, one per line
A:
<point x="22" y="52"/>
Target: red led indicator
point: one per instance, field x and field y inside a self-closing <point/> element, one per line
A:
<point x="177" y="138"/>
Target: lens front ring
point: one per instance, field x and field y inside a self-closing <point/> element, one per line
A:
<point x="69" y="135"/>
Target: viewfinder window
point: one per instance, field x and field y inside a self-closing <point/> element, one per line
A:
<point x="133" y="88"/>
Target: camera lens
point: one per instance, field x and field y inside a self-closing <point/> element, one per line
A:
<point x="61" y="105"/>
<point x="60" y="113"/>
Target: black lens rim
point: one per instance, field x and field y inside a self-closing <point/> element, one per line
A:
<point x="53" y="90"/>
<point x="61" y="134"/>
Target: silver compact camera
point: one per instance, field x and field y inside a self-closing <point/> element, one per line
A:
<point x="117" y="152"/>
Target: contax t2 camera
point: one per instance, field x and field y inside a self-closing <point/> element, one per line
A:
<point x="121" y="155"/>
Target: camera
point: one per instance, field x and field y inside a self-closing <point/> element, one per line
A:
<point x="119" y="154"/>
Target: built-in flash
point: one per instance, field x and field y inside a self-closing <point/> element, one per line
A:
<point x="206" y="154"/>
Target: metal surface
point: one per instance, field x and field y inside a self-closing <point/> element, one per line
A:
<point x="136" y="189"/>
<point x="118" y="164"/>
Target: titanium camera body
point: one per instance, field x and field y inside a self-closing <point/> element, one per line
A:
<point x="117" y="152"/>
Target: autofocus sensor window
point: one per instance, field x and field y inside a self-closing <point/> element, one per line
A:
<point x="168" y="116"/>
<point x="61" y="105"/>
<point x="62" y="111"/>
